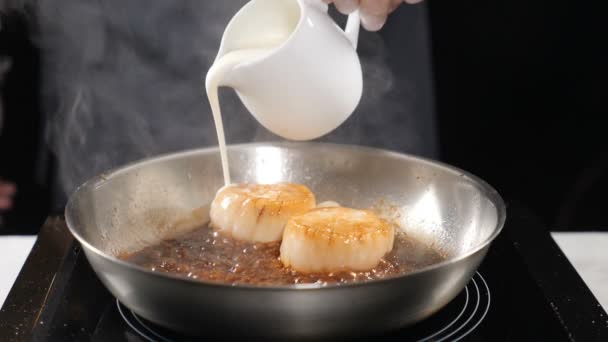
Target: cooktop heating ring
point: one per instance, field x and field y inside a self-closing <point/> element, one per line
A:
<point x="454" y="322"/>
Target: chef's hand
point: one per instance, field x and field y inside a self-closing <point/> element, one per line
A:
<point x="7" y="191"/>
<point x="373" y="12"/>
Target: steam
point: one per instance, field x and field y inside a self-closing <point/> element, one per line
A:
<point x="123" y="80"/>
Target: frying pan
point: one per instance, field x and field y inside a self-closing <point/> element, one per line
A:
<point x="142" y="203"/>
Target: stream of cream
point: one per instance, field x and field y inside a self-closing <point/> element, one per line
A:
<point x="215" y="78"/>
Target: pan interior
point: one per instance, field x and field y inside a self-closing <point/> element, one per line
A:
<point x="143" y="203"/>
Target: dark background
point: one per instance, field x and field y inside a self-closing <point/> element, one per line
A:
<point x="521" y="89"/>
<point x="519" y="93"/>
<point x="22" y="153"/>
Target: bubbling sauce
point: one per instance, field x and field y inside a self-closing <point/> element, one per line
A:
<point x="208" y="256"/>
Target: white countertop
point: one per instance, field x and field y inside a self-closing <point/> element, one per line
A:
<point x="13" y="252"/>
<point x="587" y="251"/>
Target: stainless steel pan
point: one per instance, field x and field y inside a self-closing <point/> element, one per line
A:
<point x="137" y="205"/>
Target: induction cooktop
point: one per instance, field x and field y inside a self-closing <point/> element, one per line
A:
<point x="524" y="290"/>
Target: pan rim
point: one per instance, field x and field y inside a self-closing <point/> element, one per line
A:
<point x="484" y="187"/>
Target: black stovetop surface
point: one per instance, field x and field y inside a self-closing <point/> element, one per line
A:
<point x="525" y="290"/>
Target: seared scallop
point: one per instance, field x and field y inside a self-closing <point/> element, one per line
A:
<point x="258" y="212"/>
<point x="332" y="239"/>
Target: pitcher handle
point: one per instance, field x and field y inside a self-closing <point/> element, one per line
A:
<point x="352" y="28"/>
<point x="351" y="31"/>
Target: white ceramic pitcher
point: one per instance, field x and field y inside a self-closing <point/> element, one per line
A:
<point x="308" y="81"/>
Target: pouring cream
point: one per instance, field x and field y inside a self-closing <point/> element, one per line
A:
<point x="295" y="70"/>
<point x="215" y="76"/>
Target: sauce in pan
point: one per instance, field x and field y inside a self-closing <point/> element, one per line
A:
<point x="204" y="254"/>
